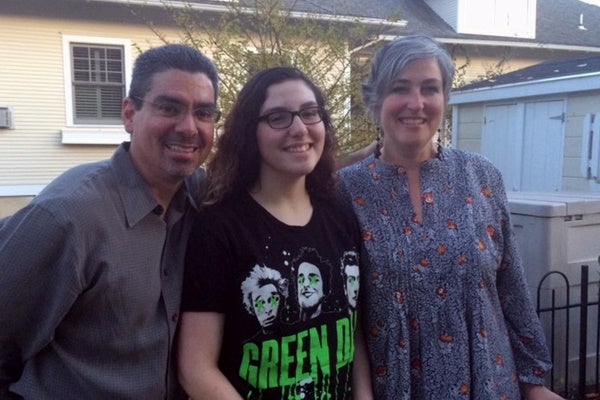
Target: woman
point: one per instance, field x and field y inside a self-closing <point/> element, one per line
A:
<point x="265" y="314"/>
<point x="447" y="310"/>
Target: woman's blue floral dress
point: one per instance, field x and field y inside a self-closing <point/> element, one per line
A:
<point x="448" y="314"/>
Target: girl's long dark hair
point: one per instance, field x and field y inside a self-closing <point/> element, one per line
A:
<point x="235" y="166"/>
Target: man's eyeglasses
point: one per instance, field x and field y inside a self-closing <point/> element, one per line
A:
<point x="283" y="119"/>
<point x="173" y="109"/>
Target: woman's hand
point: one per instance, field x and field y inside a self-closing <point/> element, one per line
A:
<point x="538" y="392"/>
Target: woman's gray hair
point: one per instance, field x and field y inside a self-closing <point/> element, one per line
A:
<point x="391" y="59"/>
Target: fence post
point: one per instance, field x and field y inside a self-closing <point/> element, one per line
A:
<point x="583" y="330"/>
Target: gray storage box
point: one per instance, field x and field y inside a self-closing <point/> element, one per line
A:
<point x="556" y="231"/>
<point x="560" y="231"/>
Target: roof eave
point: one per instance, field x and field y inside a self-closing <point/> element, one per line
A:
<point x="485" y="42"/>
<point x="294" y="14"/>
<point x="557" y="85"/>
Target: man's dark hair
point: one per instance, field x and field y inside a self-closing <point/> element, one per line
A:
<point x="169" y="56"/>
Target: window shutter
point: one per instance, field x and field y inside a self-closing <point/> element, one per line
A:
<point x="98" y="83"/>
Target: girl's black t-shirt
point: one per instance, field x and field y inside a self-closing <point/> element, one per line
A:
<point x="288" y="294"/>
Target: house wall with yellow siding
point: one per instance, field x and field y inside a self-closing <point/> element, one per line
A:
<point x="32" y="84"/>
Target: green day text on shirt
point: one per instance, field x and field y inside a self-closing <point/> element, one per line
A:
<point x="300" y="357"/>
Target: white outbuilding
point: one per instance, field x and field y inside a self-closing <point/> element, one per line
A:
<point x="539" y="125"/>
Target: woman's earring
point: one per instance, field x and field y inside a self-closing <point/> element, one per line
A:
<point x="377" y="152"/>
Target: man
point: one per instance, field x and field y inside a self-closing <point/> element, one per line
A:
<point x="91" y="270"/>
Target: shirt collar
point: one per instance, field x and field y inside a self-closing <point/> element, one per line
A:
<point x="135" y="194"/>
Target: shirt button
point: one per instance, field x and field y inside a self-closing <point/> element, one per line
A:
<point x="158" y="210"/>
<point x="175" y="317"/>
<point x="165" y="272"/>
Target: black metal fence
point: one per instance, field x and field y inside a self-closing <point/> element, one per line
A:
<point x="570" y="314"/>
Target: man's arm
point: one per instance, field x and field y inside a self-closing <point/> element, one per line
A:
<point x="36" y="260"/>
<point x="11" y="367"/>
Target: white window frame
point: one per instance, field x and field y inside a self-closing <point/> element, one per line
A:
<point x="92" y="133"/>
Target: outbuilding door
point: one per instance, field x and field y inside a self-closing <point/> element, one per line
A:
<point x="526" y="141"/>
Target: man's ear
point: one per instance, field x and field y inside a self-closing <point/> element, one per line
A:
<point x="127" y="113"/>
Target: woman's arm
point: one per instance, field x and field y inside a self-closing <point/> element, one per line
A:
<point x="361" y="375"/>
<point x="519" y="312"/>
<point x="356" y="156"/>
<point x="199" y="345"/>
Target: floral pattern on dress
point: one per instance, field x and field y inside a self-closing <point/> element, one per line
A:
<point x="448" y="313"/>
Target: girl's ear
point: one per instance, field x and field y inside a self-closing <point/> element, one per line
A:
<point x="376" y="112"/>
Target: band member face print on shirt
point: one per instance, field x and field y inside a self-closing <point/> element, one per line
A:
<point x="312" y="283"/>
<point x="266" y="300"/>
<point x="263" y="293"/>
<point x="350" y="272"/>
<point x="310" y="288"/>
